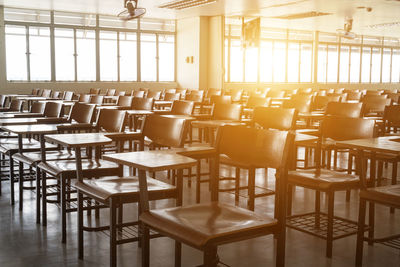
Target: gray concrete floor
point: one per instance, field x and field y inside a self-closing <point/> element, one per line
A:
<point x="25" y="243"/>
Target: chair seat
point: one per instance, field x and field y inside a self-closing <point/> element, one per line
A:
<point x="389" y="194"/>
<point x="224" y="159"/>
<point x="108" y="187"/>
<point x="11" y="145"/>
<point x="211" y="223"/>
<point x="34" y="157"/>
<point x="90" y="168"/>
<point x="327" y="180"/>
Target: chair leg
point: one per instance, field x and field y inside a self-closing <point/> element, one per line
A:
<point x="21" y="185"/>
<point x="189" y="181"/>
<point x="178" y="254"/>
<point x="280" y="248"/>
<point x="12" y="179"/>
<point x="237" y="185"/>
<point x="251" y="188"/>
<point x="329" y="239"/>
<point x="198" y="180"/>
<point x="44" y="199"/>
<point x="371" y="223"/>
<point x="113" y="232"/>
<point x="80" y="225"/>
<point x="289" y="199"/>
<point x="63" y="211"/>
<point x="38" y="175"/>
<point x="360" y="232"/>
<point x="317" y="208"/>
<point x="210" y="258"/>
<point x="120" y="216"/>
<point x="145" y="246"/>
<point x="394" y="179"/>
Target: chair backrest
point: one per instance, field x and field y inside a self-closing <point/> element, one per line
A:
<point x="394" y="97"/>
<point x="68" y="95"/>
<point x="120" y="93"/>
<point x="391" y="116"/>
<point x="236" y="95"/>
<point x="227" y="112"/>
<point x="276" y="93"/>
<point x="375" y="105"/>
<point x="111" y="92"/>
<point x="111" y="120"/>
<point x="172" y="96"/>
<point x="321" y="102"/>
<point x="139" y="103"/>
<point x="138" y="94"/>
<point x="38" y="107"/>
<point x="171" y="91"/>
<point x="373" y="97"/>
<point x="3" y="99"/>
<point x="213" y="91"/>
<point x="81" y="112"/>
<point x="183" y="92"/>
<point x="156" y="95"/>
<point x="94" y="91"/>
<point x="165" y="131"/>
<point x="274" y="118"/>
<point x="374" y="92"/>
<point x="195" y="97"/>
<point x="96" y="99"/>
<point x="257" y="147"/>
<point x="46" y="93"/>
<point x="56" y="94"/>
<point x="342" y="96"/>
<point x="301" y="103"/>
<point x="258" y="101"/>
<point x="181" y="107"/>
<point x="353" y="95"/>
<point x="304" y="91"/>
<point x="125" y="101"/>
<point x="220" y="99"/>
<point x="16" y="105"/>
<point x="350" y="110"/>
<point x="84" y="98"/>
<point x="35" y="91"/>
<point x="342" y="128"/>
<point x="53" y="109"/>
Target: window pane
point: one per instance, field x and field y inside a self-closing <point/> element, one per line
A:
<point x="251" y="64"/>
<point x="322" y="53"/>
<point x="39" y="48"/>
<point x="386" y="65"/>
<point x="236" y="74"/>
<point x="293" y="62"/>
<point x="344" y="64"/>
<point x="128" y="56"/>
<point x="332" y="63"/>
<point x="226" y="60"/>
<point x="86" y="51"/>
<point x="376" y="65"/>
<point x="16" y="53"/>
<point x="166" y="53"/>
<point x="355" y="64"/>
<point x="148" y="57"/>
<point x="108" y="56"/>
<point x="266" y="62"/>
<point x="396" y="66"/>
<point x="279" y="61"/>
<point x="64" y="51"/>
<point x="306" y="62"/>
<point x="366" y="64"/>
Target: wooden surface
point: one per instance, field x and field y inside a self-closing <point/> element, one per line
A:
<point x="16" y="121"/>
<point x="31" y="129"/>
<point x="189" y="118"/>
<point x="386" y="144"/>
<point x="79" y="140"/>
<point x="213" y="123"/>
<point x="139" y="112"/>
<point x="304" y="138"/>
<point x="155" y="160"/>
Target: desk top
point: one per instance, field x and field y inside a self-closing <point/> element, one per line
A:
<point x="155" y="160"/>
<point x="385" y="144"/>
<point x="139" y="112"/>
<point x="186" y="117"/>
<point x="16" y="121"/>
<point x="214" y="123"/>
<point x="79" y="140"/>
<point x="31" y="129"/>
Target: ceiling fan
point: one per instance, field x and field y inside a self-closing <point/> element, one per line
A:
<point x="131" y="10"/>
<point x="346" y="31"/>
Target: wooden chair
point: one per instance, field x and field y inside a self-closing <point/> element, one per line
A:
<point x="375" y="106"/>
<point x="51" y="110"/>
<point x="342" y="96"/>
<point x="156" y="95"/>
<point x="115" y="192"/>
<point x="85" y="98"/>
<point x="340" y="109"/>
<point x="96" y="99"/>
<point x="321" y="102"/>
<point x="120" y="93"/>
<point x="386" y="195"/>
<point x="172" y="96"/>
<point x="94" y="91"/>
<point x="138" y="93"/>
<point x="124" y="101"/>
<point x="16" y="105"/>
<point x="111" y="92"/>
<point x="354" y="96"/>
<point x="374" y="92"/>
<point x="35" y="91"/>
<point x="57" y="95"/>
<point x="320" y="224"/>
<point x="68" y="95"/>
<point x="206" y="226"/>
<point x="46" y="93"/>
<point x="3" y="99"/>
<point x="276" y="94"/>
<point x="181" y="107"/>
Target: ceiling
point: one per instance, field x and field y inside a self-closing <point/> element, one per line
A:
<point x="383" y="12"/>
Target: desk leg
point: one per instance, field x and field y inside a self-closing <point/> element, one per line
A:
<point x="38" y="195"/>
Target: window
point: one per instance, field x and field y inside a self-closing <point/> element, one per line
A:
<point x="127" y="56"/>
<point x="236" y="61"/>
<point x="251" y="64"/>
<point x="266" y="64"/>
<point x="279" y="58"/>
<point x="322" y="63"/>
<point x="332" y="72"/>
<point x="16" y="53"/>
<point x="108" y="56"/>
<point x="376" y="65"/>
<point x="39" y="52"/>
<point x="306" y="62"/>
<point x="86" y="55"/>
<point x="226" y="60"/>
<point x="166" y="54"/>
<point x="366" y="65"/>
<point x="396" y="66"/>
<point x="148" y="57"/>
<point x="344" y="64"/>
<point x="65" y="54"/>
<point x="355" y="64"/>
<point x="293" y="62"/>
<point x="386" y="65"/>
